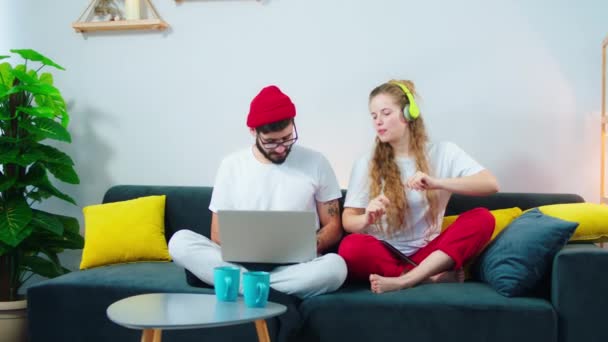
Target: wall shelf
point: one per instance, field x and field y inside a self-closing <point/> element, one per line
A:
<point x="85" y="24"/>
<point x="142" y="24"/>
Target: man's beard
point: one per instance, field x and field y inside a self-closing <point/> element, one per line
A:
<point x="272" y="156"/>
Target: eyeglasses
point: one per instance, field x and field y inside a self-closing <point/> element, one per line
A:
<point x="274" y="144"/>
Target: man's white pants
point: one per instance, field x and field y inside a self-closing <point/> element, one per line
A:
<point x="200" y="255"/>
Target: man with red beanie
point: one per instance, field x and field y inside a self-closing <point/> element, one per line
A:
<point x="272" y="174"/>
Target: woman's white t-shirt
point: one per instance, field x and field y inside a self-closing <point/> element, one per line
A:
<point x="446" y="161"/>
<point x="244" y="183"/>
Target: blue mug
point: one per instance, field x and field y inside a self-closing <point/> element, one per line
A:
<point x="226" y="281"/>
<point x="255" y="288"/>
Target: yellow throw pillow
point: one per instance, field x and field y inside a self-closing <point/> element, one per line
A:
<point x="502" y="216"/>
<point x="592" y="219"/>
<point x="125" y="231"/>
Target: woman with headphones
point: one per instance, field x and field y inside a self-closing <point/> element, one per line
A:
<point x="397" y="197"/>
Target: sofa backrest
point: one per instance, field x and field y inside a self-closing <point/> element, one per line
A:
<point x="501" y="200"/>
<point x="187" y="206"/>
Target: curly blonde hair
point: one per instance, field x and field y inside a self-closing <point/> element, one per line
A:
<point x="384" y="173"/>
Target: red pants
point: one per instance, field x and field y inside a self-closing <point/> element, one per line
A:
<point x="464" y="239"/>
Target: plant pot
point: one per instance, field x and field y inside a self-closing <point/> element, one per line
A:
<point x="13" y="321"/>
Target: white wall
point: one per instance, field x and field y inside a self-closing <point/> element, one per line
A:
<point x="515" y="83"/>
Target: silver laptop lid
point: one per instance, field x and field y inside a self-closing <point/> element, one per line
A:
<point x="267" y="236"/>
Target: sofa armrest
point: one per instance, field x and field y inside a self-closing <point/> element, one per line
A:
<point x="579" y="292"/>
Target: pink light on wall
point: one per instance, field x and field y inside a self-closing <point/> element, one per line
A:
<point x="603" y="195"/>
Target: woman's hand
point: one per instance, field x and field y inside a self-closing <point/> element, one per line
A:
<point x="376" y="208"/>
<point x="421" y="181"/>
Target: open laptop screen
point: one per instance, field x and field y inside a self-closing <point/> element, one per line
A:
<point x="267" y="236"/>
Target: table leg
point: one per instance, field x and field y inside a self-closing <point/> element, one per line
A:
<point x="151" y="335"/>
<point x="262" y="330"/>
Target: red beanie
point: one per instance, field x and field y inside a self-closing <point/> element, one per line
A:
<point x="269" y="106"/>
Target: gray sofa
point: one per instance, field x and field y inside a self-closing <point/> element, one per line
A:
<point x="571" y="307"/>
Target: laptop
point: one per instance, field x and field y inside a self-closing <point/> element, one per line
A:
<point x="276" y="237"/>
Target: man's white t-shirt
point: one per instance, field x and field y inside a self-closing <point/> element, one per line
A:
<point x="244" y="183"/>
<point x="446" y="161"/>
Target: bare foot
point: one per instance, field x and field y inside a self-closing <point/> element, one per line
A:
<point x="381" y="284"/>
<point x="448" y="277"/>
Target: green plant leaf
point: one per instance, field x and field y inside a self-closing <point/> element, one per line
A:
<point x="6" y="75"/>
<point x="47" y="221"/>
<point x="41" y="112"/>
<point x="29" y="156"/>
<point x="9" y="92"/>
<point x="50" y="90"/>
<point x="53" y="155"/>
<point x="46" y="78"/>
<point x="57" y="104"/>
<point x="43" y="240"/>
<point x="70" y="224"/>
<point x="38" y="177"/>
<point x="3" y="57"/>
<point x="46" y="186"/>
<point x="8" y="154"/>
<point x="52" y="249"/>
<point x="73" y="240"/>
<point x="4" y="115"/>
<point x="15" y="216"/>
<point x="4" y="248"/>
<point x="65" y="119"/>
<point x="39" y="195"/>
<point x="76" y="241"/>
<point x="46" y="128"/>
<point x="36" y="57"/>
<point x="25" y="78"/>
<point x="33" y="74"/>
<point x="65" y="173"/>
<point x="34" y="175"/>
<point x="51" y="254"/>
<point x="39" y="89"/>
<point x="42" y="266"/>
<point x="6" y="182"/>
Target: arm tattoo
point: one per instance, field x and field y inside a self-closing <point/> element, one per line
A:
<point x="333" y="208"/>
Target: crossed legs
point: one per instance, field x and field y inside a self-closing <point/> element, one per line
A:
<point x="439" y="261"/>
<point x="200" y="256"/>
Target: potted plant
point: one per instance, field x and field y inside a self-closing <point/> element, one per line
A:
<point x="31" y="111"/>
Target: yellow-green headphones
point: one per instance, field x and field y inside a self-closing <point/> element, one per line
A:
<point x="410" y="111"/>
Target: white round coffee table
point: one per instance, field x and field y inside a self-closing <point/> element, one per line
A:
<point x="155" y="312"/>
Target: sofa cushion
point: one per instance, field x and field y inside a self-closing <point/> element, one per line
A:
<point x="518" y="259"/>
<point x="186" y="206"/>
<point x="592" y="219"/>
<point x="430" y="312"/>
<point x="502" y="218"/>
<point x="125" y="231"/>
<point x="141" y="277"/>
<point x="82" y="298"/>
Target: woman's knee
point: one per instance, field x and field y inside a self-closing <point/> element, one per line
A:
<point x="486" y="221"/>
<point x="352" y="246"/>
